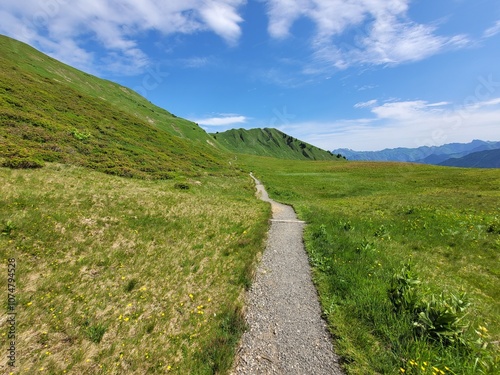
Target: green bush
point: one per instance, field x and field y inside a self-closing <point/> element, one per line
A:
<point x="131" y="285"/>
<point x="79" y="135"/>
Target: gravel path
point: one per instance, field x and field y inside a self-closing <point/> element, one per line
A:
<point x="286" y="332"/>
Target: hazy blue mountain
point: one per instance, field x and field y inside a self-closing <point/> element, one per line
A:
<point x="424" y="154"/>
<point x="481" y="159"/>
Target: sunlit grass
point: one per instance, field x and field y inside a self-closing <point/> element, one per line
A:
<point x="127" y="276"/>
<point x="368" y="219"/>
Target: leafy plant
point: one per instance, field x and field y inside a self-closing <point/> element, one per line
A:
<point x="8" y="228"/>
<point x="403" y="291"/>
<point x="442" y="318"/>
<point x="381" y="231"/>
<point x="438" y="317"/>
<point x="365" y="247"/>
<point x="347" y="226"/>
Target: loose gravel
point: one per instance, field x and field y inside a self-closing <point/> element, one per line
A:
<point x="286" y="333"/>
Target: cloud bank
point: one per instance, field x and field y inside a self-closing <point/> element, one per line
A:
<point x="380" y="31"/>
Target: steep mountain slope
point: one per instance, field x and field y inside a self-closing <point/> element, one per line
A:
<point x="482" y="159"/>
<point x="270" y="142"/>
<point x="425" y="154"/>
<point x="52" y="112"/>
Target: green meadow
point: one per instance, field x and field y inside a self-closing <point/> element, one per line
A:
<point x="405" y="258"/>
<point x="118" y="275"/>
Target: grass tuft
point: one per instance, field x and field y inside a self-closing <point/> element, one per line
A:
<point x="95" y="333"/>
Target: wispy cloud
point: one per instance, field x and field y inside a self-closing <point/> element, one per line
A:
<point x="62" y="27"/>
<point x="196" y="62"/>
<point x="380" y="32"/>
<point x="492" y="31"/>
<point x="404" y="124"/>
<point x="222" y="120"/>
<point x="368" y="104"/>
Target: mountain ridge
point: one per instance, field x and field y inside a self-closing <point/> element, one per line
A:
<point x="270" y="142"/>
<point x="480" y="159"/>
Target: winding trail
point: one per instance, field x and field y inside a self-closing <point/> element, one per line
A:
<point x="286" y="332"/>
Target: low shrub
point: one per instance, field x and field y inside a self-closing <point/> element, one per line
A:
<point x="182" y="186"/>
<point x="22" y="163"/>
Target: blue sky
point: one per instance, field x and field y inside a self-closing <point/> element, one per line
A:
<point x="359" y="74"/>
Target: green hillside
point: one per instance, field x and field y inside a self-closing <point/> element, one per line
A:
<point x="270" y="142"/>
<point x="481" y="159"/>
<point x="50" y="112"/>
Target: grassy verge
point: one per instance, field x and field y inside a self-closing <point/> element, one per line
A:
<point x="119" y="275"/>
<point x="366" y="222"/>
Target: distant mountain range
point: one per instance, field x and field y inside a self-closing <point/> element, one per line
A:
<point x="481" y="159"/>
<point x="452" y="154"/>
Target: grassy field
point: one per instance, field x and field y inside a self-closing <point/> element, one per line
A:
<point x="131" y="276"/>
<point x="366" y="222"/>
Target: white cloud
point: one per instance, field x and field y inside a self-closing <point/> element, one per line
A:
<point x="405" y="124"/>
<point x="486" y="103"/>
<point x="368" y="104"/>
<point x="115" y="25"/>
<point x="380" y="31"/>
<point x="223" y="19"/>
<point x="492" y="31"/>
<point x="222" y="120"/>
<point x="404" y="110"/>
